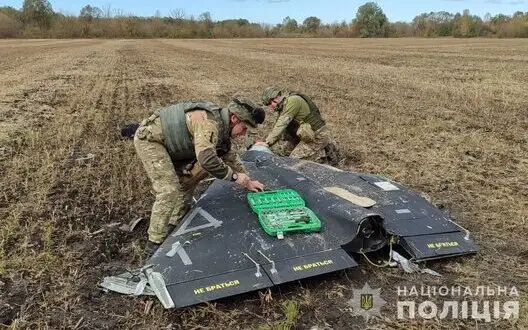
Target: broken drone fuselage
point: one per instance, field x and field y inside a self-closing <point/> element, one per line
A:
<point x="219" y="249"/>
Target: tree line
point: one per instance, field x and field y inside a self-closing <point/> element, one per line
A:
<point x="37" y="19"/>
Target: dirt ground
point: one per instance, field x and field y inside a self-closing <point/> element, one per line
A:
<point x="445" y="117"/>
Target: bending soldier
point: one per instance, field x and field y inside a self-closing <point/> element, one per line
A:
<point x="183" y="143"/>
<point x="301" y="126"/>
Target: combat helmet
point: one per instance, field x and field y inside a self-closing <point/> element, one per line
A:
<point x="269" y="94"/>
<point x="247" y="111"/>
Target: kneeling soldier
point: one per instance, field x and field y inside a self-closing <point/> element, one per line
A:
<point x="301" y="126"/>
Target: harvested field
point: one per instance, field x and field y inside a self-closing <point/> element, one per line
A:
<point x="445" y="117"/>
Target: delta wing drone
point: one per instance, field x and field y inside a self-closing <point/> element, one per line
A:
<point x="220" y="249"/>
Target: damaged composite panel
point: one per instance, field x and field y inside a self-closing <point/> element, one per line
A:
<point x="238" y="256"/>
<point x="220" y="250"/>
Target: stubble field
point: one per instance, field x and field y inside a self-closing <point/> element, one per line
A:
<point x="445" y="117"/>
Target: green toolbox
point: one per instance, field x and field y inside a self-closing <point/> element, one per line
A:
<point x="282" y="211"/>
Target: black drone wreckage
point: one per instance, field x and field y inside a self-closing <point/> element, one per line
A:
<point x="220" y="249"/>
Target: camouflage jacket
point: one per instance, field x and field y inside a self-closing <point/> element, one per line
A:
<point x="204" y="131"/>
<point x="292" y="108"/>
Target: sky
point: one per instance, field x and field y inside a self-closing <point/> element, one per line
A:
<point x="274" y="11"/>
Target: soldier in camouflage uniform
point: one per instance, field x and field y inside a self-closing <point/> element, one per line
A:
<point x="183" y="143"/>
<point x="300" y="131"/>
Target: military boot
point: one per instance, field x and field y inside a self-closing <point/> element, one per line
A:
<point x="170" y="228"/>
<point x="151" y="248"/>
<point x="333" y="154"/>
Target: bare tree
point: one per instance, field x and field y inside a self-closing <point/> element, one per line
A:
<point x="177" y="14"/>
<point x="107" y="11"/>
<point x="119" y="12"/>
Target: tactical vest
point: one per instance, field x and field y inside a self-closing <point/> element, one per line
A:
<point x="178" y="140"/>
<point x="315" y="119"/>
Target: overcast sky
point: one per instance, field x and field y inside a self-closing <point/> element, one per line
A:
<point x="273" y="11"/>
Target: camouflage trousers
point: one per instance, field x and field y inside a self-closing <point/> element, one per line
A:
<point x="321" y="150"/>
<point x="173" y="190"/>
